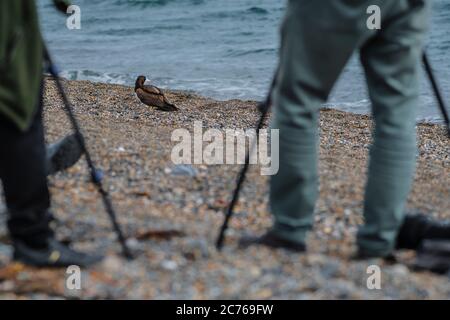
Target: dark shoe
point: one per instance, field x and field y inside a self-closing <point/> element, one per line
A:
<point x="63" y="154"/>
<point x="271" y="240"/>
<point x="433" y="256"/>
<point x="54" y="255"/>
<point x="417" y="228"/>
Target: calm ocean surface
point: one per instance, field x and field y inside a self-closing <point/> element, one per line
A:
<point x="219" y="48"/>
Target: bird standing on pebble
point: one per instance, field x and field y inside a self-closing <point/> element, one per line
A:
<point x="152" y="96"/>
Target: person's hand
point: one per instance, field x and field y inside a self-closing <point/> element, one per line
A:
<point x="62" y="5"/>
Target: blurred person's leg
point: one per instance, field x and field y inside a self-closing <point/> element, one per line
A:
<point x="392" y="64"/>
<point x="23" y="171"/>
<point x="24" y="160"/>
<point x="24" y="178"/>
<point x="318" y="38"/>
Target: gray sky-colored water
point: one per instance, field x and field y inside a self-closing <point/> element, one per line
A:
<point x="222" y="49"/>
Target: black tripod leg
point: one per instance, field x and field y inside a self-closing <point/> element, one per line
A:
<point x="264" y="109"/>
<point x="242" y="174"/>
<point x="437" y="92"/>
<point x="95" y="174"/>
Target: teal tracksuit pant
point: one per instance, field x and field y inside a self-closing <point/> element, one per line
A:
<point x="318" y="38"/>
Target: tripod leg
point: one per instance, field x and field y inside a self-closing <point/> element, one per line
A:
<point x="264" y="109"/>
<point x="95" y="174"/>
<point x="221" y="237"/>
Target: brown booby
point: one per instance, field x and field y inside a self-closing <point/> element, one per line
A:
<point x="152" y="96"/>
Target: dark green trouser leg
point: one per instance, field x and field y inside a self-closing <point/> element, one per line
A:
<point x="318" y="38"/>
<point x="392" y="65"/>
<point x="308" y="70"/>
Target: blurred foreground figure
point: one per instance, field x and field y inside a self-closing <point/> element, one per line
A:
<point x="318" y="39"/>
<point x="24" y="160"/>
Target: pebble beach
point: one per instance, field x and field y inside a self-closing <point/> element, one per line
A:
<point x="172" y="213"/>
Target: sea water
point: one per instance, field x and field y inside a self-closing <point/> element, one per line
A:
<point x="219" y="48"/>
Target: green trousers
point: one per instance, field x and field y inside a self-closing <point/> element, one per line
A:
<point x="318" y="39"/>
